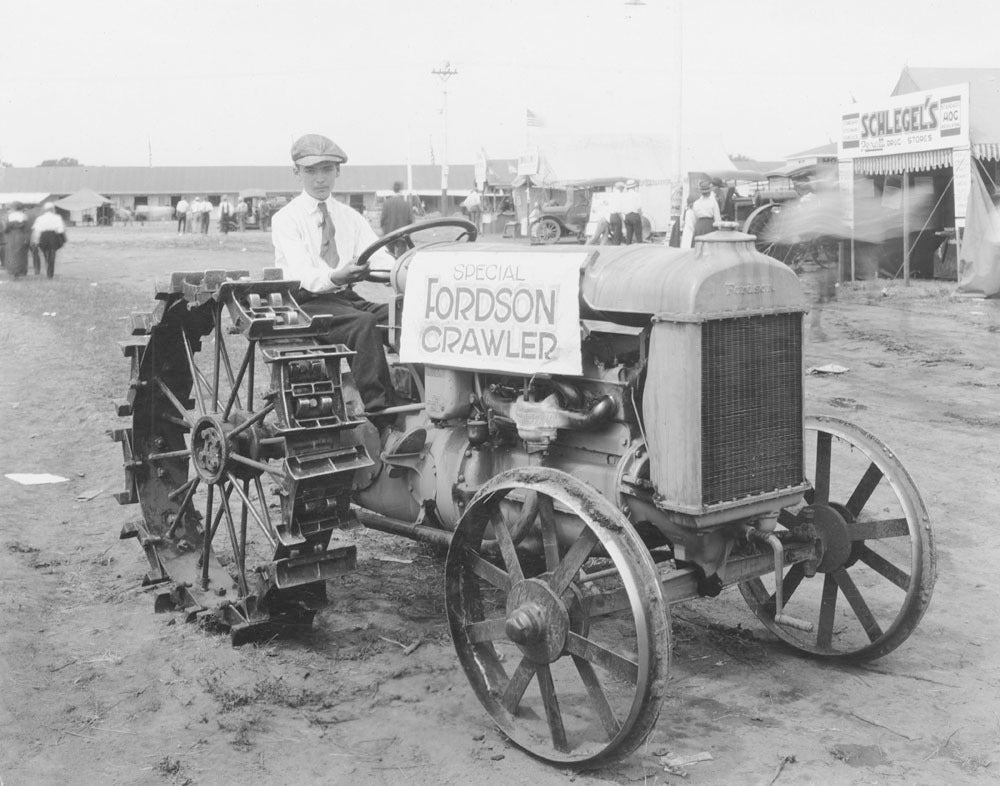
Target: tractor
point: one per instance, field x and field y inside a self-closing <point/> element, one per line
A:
<point x="594" y="433"/>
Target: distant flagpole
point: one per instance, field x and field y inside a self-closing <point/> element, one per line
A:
<point x="532" y="123"/>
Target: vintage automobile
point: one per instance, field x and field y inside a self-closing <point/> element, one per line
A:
<point x="569" y="216"/>
<point x="589" y="453"/>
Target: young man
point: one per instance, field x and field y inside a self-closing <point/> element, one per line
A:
<point x="317" y="241"/>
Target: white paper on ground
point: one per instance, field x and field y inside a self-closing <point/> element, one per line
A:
<point x="29" y="479"/>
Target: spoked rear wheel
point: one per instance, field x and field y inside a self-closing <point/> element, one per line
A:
<point x="567" y="644"/>
<point x="876" y="575"/>
<point x="210" y="449"/>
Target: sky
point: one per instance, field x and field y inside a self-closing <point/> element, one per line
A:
<point x="213" y="82"/>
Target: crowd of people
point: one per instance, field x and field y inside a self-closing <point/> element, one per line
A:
<point x="195" y="216"/>
<point x="31" y="234"/>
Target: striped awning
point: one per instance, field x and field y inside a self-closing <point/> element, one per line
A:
<point x="986" y="151"/>
<point x="902" y="162"/>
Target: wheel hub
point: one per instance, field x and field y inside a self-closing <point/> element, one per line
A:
<point x="831" y="529"/>
<point x="537" y="621"/>
<point x="210" y="449"/>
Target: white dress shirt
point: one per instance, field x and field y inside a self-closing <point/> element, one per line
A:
<point x="297" y="235"/>
<point x="47" y="222"/>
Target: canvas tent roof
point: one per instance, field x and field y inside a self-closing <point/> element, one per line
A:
<point x="984" y="100"/>
<point x="569" y="158"/>
<point x="84" y="199"/>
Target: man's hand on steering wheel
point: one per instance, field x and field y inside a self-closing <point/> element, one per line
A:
<point x="349" y="274"/>
<point x="403" y="234"/>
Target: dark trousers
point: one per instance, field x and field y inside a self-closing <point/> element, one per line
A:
<point x="49" y="243"/>
<point x="355" y="323"/>
<point x="633" y="228"/>
<point x="182" y="223"/>
<point x="36" y="260"/>
<point x="616" y="229"/>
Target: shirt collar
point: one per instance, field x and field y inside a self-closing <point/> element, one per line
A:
<point x="314" y="203"/>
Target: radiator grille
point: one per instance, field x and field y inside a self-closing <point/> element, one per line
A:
<point x="751" y="411"/>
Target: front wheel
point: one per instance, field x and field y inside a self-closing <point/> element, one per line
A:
<point x="557" y="616"/>
<point x="548" y="230"/>
<point x="877" y="572"/>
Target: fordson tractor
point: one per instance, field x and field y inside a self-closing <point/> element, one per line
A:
<point x="594" y="433"/>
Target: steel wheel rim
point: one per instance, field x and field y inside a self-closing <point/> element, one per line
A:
<point x="868" y="582"/>
<point x="485" y="667"/>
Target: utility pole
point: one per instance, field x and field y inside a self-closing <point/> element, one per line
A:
<point x="444" y="72"/>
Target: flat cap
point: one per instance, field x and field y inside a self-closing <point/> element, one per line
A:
<point x="630" y="183"/>
<point x="313" y="149"/>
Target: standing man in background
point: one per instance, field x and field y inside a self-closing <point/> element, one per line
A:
<point x="396" y="212"/>
<point x="206" y="215"/>
<point x="317" y="241"/>
<point x="703" y="216"/>
<point x="49" y="234"/>
<point x="473" y="205"/>
<point x="181" y="211"/>
<point x="225" y="213"/>
<point x="632" y="212"/>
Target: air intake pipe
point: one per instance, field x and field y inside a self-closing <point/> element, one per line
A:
<point x="537" y="420"/>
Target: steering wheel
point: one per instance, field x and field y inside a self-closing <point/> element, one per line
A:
<point x="404" y="233"/>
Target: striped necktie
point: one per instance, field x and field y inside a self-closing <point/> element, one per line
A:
<point x="328" y="246"/>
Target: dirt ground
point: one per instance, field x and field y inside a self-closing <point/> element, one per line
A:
<point x="96" y="688"/>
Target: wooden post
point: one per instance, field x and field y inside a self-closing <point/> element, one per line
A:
<point x="906" y="228"/>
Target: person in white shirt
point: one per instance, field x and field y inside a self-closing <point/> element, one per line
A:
<point x="317" y="241"/>
<point x="49" y="234"/>
<point x="703" y="216"/>
<point x="181" y="211"/>
<point x="632" y="213"/>
<point x="225" y="214"/>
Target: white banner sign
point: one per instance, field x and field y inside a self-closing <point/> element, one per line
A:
<point x="961" y="163"/>
<point x="910" y="123"/>
<point x="527" y="162"/>
<point x="495" y="311"/>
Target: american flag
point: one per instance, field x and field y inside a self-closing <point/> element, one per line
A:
<point x="534" y="121"/>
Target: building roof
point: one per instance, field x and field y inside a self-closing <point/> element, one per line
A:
<point x="829" y="149"/>
<point x="190" y="180"/>
<point x="24" y="197"/>
<point x="761" y="167"/>
<point x="984" y="99"/>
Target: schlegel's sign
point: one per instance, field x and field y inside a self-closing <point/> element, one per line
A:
<point x="910" y="123"/>
<point x="497" y="312"/>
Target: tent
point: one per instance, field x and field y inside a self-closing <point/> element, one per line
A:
<point x="979" y="262"/>
<point x="84" y="199"/>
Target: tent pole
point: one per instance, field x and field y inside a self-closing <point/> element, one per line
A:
<point x="906" y="228"/>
